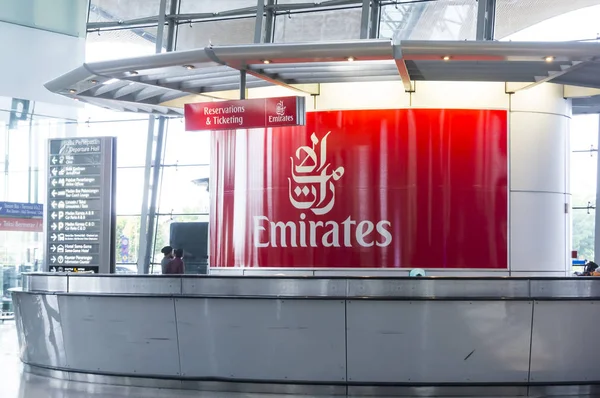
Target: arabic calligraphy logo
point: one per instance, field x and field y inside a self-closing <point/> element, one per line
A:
<point x="312" y="186"/>
<point x="280" y="109"/>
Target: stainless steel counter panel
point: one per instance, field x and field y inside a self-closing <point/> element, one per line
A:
<point x="566" y="288"/>
<point x="564" y="344"/>
<point x="131" y="284"/>
<point x="438" y="341"/>
<point x="262" y="339"/>
<point x="39" y="326"/>
<point x="273" y="287"/>
<point x="45" y="282"/>
<point x="439" y="288"/>
<point x="120" y="335"/>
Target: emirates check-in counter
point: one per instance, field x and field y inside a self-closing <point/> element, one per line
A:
<point x="317" y="219"/>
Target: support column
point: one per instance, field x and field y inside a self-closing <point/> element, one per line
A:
<point x="596" y="212"/>
<point x="260" y="10"/>
<point x="269" y="21"/>
<point x="364" y="19"/>
<point x="486" y="19"/>
<point x="152" y="173"/>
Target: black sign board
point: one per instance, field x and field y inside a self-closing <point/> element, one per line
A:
<point x="80" y="216"/>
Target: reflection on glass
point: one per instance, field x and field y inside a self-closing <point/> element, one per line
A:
<point x="548" y="20"/>
<point x="432" y="20"/>
<point x="224" y="32"/>
<point x="318" y="26"/>
<point x="212" y="6"/>
<point x="121" y="10"/>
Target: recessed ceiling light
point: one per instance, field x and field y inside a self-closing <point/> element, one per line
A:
<point x="266" y="61"/>
<point x="350" y="59"/>
<point x="94" y="81"/>
<point x="549" y="58"/>
<point x="110" y="81"/>
<point x="189" y="67"/>
<point x="72" y="91"/>
<point x="134" y="72"/>
<point x="446" y="58"/>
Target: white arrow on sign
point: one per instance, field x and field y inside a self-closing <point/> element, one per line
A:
<point x="54" y="193"/>
<point x="54" y="204"/>
<point x="54" y="171"/>
<point x="52" y="248"/>
<point x="53" y="215"/>
<point x="53" y="259"/>
<point x="53" y="226"/>
<point x="53" y="237"/>
<point x="54" y="160"/>
<point x="53" y="183"/>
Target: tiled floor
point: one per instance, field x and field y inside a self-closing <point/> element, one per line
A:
<point x="14" y="383"/>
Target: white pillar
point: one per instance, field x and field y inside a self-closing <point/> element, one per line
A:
<point x="539" y="212"/>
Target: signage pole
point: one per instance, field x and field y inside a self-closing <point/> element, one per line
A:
<point x="243" y="84"/>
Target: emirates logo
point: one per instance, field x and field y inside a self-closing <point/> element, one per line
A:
<point x="312" y="184"/>
<point x="280" y="109"/>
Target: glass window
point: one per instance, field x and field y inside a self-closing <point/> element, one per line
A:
<point x="584" y="132"/>
<point x="60" y="16"/>
<point x="186" y="147"/>
<point x="121" y="43"/>
<point x="583" y="233"/>
<point x="131" y="136"/>
<point x="212" y="6"/>
<point x="130" y="190"/>
<point x="432" y="20"/>
<point x="127" y="238"/>
<point x="222" y="32"/>
<point x="122" y="10"/>
<point x="548" y="20"/>
<point x="318" y="26"/>
<point x="163" y="235"/>
<point x="584" y="163"/>
<point x="182" y="190"/>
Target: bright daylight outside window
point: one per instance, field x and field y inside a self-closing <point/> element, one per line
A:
<point x="576" y="25"/>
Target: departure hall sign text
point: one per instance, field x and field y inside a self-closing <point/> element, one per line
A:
<point x="244" y="114"/>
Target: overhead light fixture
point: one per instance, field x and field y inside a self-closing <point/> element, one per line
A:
<point x="189" y="67"/>
<point x="549" y="58"/>
<point x="134" y="72"/>
<point x="72" y="91"/>
<point x="350" y="59"/>
<point x="266" y="61"/>
<point x="110" y="81"/>
<point x="94" y="81"/>
<point x="446" y="58"/>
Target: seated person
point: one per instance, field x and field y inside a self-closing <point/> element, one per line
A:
<point x="176" y="266"/>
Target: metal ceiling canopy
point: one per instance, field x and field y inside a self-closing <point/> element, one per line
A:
<point x="145" y="84"/>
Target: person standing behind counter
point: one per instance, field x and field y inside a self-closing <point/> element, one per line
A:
<point x="176" y="266"/>
<point x="168" y="252"/>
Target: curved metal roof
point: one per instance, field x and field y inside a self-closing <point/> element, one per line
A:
<point x="149" y="84"/>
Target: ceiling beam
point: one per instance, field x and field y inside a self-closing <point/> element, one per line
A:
<point x="553" y="75"/>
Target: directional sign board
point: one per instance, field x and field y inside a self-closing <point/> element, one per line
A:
<point x="80" y="217"/>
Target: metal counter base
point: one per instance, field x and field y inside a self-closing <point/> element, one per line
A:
<point x="322" y="390"/>
<point x="315" y="336"/>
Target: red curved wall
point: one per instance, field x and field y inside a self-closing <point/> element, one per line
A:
<point x="413" y="188"/>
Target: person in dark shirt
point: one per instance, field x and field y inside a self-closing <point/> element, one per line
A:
<point x="176" y="266"/>
<point x="168" y="252"/>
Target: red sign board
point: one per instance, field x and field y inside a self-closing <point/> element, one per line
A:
<point x="403" y="188"/>
<point x="243" y="114"/>
<point x="22" y="224"/>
